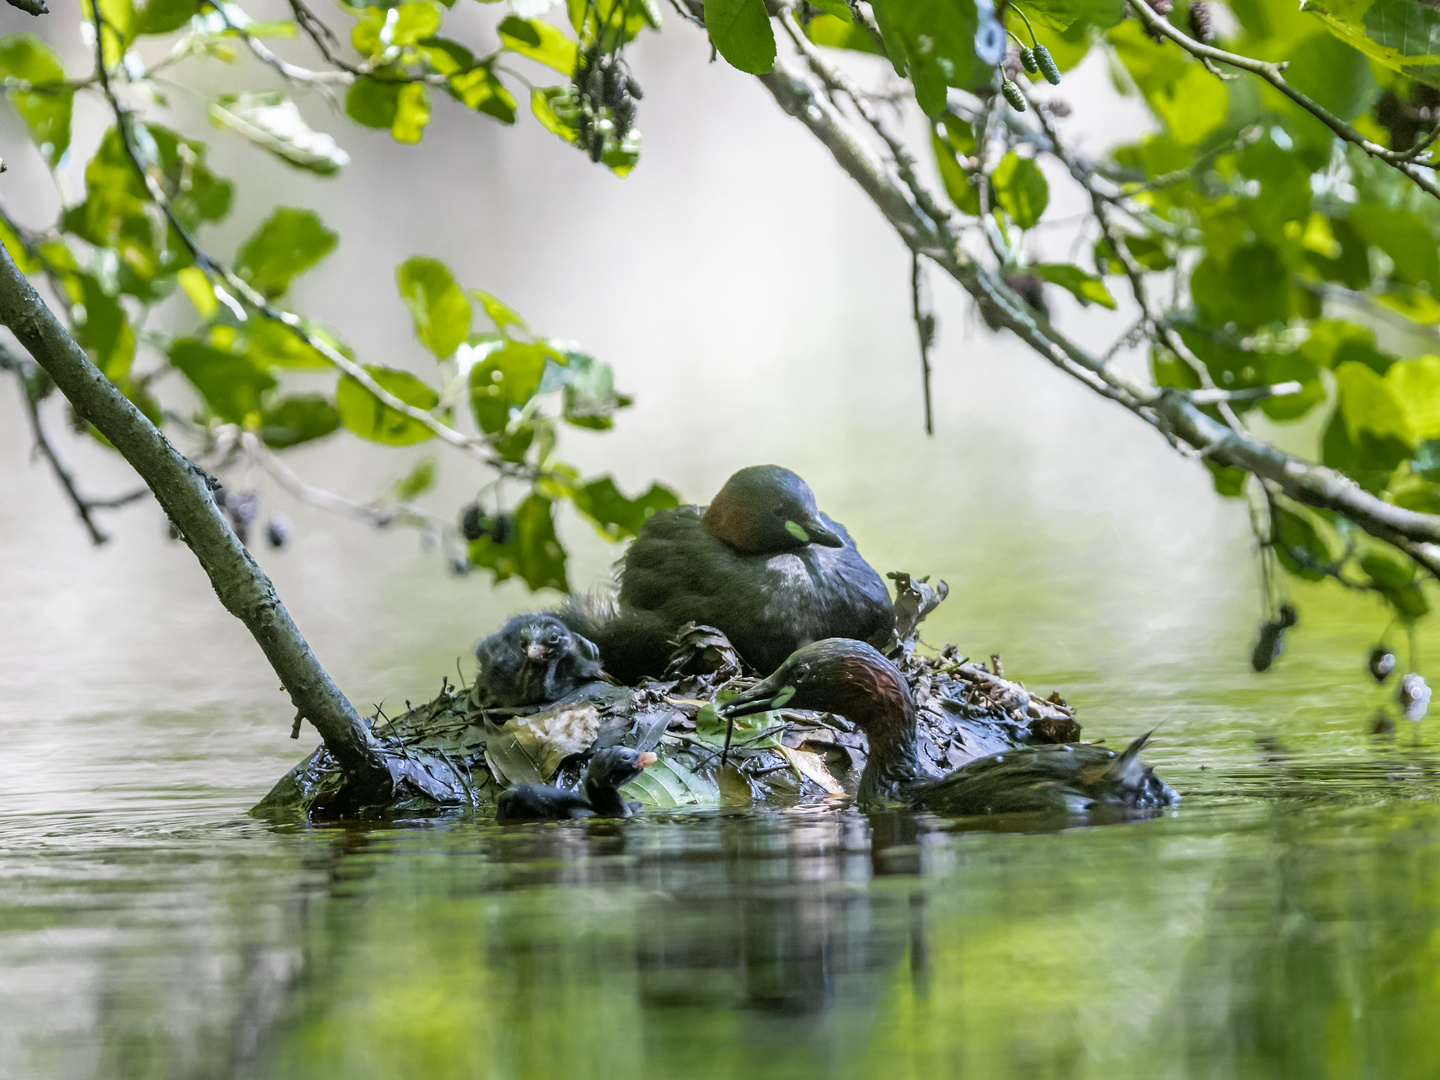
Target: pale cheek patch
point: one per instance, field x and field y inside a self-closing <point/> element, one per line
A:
<point x="796" y="531"/>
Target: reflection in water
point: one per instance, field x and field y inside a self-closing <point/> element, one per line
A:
<point x="1294" y="938"/>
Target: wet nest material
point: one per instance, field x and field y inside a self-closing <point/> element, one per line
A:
<point x="452" y="753"/>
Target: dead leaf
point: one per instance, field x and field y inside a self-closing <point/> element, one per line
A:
<point x="812" y="767"/>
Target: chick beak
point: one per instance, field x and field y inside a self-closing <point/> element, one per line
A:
<point x="646" y="759"/>
<point x="536" y="651"/>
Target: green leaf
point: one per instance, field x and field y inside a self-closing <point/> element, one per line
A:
<point x="615" y="515"/>
<point x="1020" y="189"/>
<point x="962" y="193"/>
<point x="479" y="89"/>
<point x="589" y="399"/>
<point x="417" y="481"/>
<point x="286" y="244"/>
<point x="1063" y="14"/>
<point x="1291" y="367"/>
<point x="438" y="307"/>
<point x="541" y="42"/>
<point x="1250" y="288"/>
<point x="372" y="102"/>
<point x="371" y="419"/>
<point x="1193" y="106"/>
<point x="533" y="554"/>
<point x="1416" y="386"/>
<point x="1086" y="288"/>
<point x="1403" y="235"/>
<point x="45" y="108"/>
<point x="554" y="107"/>
<point x="933" y="41"/>
<point x="101" y="326"/>
<point x="231" y="385"/>
<point x="507" y="378"/>
<point x="1332" y="74"/>
<point x="1404" y="35"/>
<point x="270" y="343"/>
<point x="668" y="784"/>
<point x="835" y="33"/>
<point x="740" y="31"/>
<point x="165" y="16"/>
<point x="412" y="113"/>
<point x="298" y="419"/>
<point x="499" y="312"/>
<point x="272" y="122"/>
<point x="1306" y="544"/>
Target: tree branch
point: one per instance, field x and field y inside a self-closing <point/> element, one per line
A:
<point x="1170" y="411"/>
<point x="1273" y="74"/>
<point x="184" y="491"/>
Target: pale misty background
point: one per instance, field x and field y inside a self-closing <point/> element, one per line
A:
<point x="756" y="306"/>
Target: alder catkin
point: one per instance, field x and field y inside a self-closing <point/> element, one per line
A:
<point x="1028" y="62"/>
<point x="1013" y="95"/>
<point x="1202" y="28"/>
<point x="1047" y="65"/>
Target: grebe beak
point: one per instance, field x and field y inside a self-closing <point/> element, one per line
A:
<point x="537" y="651"/>
<point x="773" y="693"/>
<point x="822" y="536"/>
<point x="646" y="759"/>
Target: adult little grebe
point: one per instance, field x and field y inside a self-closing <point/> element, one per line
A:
<point x="609" y="770"/>
<point x="853" y="680"/>
<point x="761" y="563"/>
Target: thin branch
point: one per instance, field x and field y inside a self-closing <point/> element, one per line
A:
<point x="925" y="332"/>
<point x="22" y="369"/>
<point x="1169" y="411"/>
<point x="1272" y="73"/>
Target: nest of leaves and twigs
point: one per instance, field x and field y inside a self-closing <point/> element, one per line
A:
<point x="451" y="752"/>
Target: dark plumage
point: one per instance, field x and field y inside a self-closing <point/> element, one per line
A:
<point x="609" y="770"/>
<point x="853" y="680"/>
<point x="533" y="660"/>
<point x="761" y="563"/>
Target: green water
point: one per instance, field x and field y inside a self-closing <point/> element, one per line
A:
<point x="1283" y="922"/>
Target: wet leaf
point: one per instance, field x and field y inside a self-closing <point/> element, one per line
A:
<point x="506" y="379"/>
<point x="668" y="784"/>
<point x="164" y="16"/>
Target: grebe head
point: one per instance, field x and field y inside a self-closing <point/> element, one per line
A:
<point x="765" y="509"/>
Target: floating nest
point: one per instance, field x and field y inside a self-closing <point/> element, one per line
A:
<point x="453" y="753"/>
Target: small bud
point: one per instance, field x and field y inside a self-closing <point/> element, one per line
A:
<point x="633" y="87"/>
<point x="1047" y="65"/>
<point x="1028" y="61"/>
<point x="1013" y="95"/>
<point x="1286" y="615"/>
